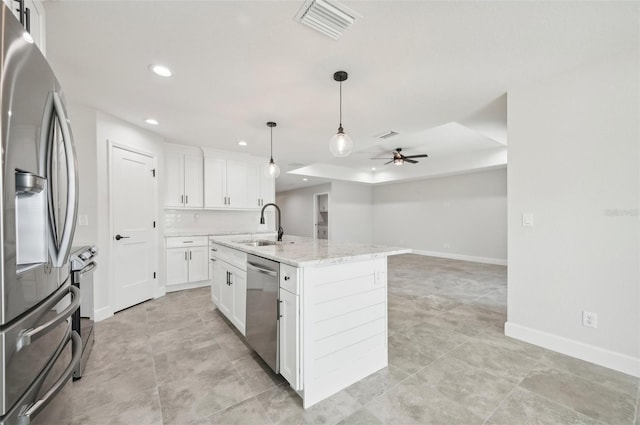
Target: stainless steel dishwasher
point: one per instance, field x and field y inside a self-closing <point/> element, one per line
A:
<point x="262" y="309"/>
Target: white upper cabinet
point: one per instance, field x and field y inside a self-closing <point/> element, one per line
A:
<point x="235" y="182"/>
<point x="183" y="180"/>
<point x="193" y="181"/>
<point x="225" y="183"/>
<point x="32" y="19"/>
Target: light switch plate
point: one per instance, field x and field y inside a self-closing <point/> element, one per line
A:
<point x="83" y="220"/>
<point x="527" y="220"/>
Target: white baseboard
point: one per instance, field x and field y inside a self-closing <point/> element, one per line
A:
<point x="183" y="286"/>
<point x="159" y="291"/>
<point x="484" y="260"/>
<point x="102" y="313"/>
<point x="590" y="353"/>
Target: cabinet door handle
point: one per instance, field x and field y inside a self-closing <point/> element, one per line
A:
<point x="182" y="199"/>
<point x="186" y="199"/>
<point x="185" y="256"/>
<point x="27" y="14"/>
<point x="190" y="255"/>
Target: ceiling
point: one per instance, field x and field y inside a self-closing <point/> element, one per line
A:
<point x="435" y="72"/>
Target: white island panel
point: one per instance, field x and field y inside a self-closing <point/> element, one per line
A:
<point x="344" y="319"/>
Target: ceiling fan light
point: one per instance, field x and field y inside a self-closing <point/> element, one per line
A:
<point x="341" y="144"/>
<point x="398" y="161"/>
<point x="271" y="170"/>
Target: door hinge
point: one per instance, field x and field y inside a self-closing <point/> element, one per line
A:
<point x="154" y="275"/>
<point x="153" y="171"/>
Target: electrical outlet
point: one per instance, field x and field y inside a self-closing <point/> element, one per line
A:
<point x="589" y="319"/>
<point x="447" y="245"/>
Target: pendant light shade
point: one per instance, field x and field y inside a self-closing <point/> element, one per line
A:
<point x="341" y="144"/>
<point x="271" y="170"/>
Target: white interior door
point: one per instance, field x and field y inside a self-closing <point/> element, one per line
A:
<point x="133" y="214"/>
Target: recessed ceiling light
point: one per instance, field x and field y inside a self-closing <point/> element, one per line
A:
<point x="160" y="70"/>
<point x="373" y="168"/>
<point x="242" y="143"/>
<point x="305" y="179"/>
<point x="151" y="121"/>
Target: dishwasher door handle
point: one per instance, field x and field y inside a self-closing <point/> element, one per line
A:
<point x="252" y="266"/>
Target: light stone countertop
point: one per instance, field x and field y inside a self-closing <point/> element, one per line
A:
<point x="301" y="252"/>
<point x="172" y="234"/>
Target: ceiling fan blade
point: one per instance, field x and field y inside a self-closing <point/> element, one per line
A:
<point x="388" y="162"/>
<point x="418" y="156"/>
<point x="410" y="161"/>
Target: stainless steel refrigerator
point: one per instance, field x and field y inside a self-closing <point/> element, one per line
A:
<point x="38" y="207"/>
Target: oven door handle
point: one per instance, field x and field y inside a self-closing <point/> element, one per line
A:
<point x="27" y="336"/>
<point x="89" y="268"/>
<point x="25" y="417"/>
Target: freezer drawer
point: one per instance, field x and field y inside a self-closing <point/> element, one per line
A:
<point x="28" y="345"/>
<point x="48" y="399"/>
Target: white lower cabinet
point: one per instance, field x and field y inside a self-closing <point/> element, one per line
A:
<point x="229" y="285"/>
<point x="233" y="294"/>
<point x="289" y="325"/>
<point x="187" y="260"/>
<point x="289" y="338"/>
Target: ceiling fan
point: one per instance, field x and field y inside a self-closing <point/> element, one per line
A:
<point x="399" y="158"/>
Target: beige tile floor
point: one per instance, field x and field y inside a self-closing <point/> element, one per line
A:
<point x="176" y="361"/>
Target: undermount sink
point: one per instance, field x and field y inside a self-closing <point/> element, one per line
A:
<point x="260" y="242"/>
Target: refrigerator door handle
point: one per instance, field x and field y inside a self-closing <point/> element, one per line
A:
<point x="27" y="336"/>
<point x="72" y="181"/>
<point x="26" y="416"/>
<point x="54" y="106"/>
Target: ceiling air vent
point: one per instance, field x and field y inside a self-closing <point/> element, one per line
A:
<point x="326" y="16"/>
<point x="387" y="134"/>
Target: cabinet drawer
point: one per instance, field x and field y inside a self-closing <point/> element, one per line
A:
<point x="229" y="255"/>
<point x="289" y="278"/>
<point x="186" y="241"/>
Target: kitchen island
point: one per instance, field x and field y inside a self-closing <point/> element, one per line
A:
<point x="332" y="307"/>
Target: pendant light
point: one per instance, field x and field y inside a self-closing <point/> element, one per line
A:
<point x="341" y="144"/>
<point x="271" y="170"/>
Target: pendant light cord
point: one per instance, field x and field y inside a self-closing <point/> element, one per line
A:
<point x="340" y="104"/>
<point x="271" y="144"/>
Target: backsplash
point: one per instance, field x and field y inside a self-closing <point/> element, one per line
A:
<point x="205" y="221"/>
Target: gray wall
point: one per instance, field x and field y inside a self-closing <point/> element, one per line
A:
<point x="574" y="164"/>
<point x="462" y="216"/>
<point x="297" y="209"/>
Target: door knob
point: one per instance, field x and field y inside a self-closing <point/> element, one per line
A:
<point x="118" y="237"/>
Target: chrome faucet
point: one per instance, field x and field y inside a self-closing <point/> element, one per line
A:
<point x="280" y="229"/>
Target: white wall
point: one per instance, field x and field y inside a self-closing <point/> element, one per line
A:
<point x="462" y="216"/>
<point x="574" y="163"/>
<point x="297" y="209"/>
<point x="83" y="125"/>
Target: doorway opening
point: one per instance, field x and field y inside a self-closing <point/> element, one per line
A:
<point x="321" y="215"/>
